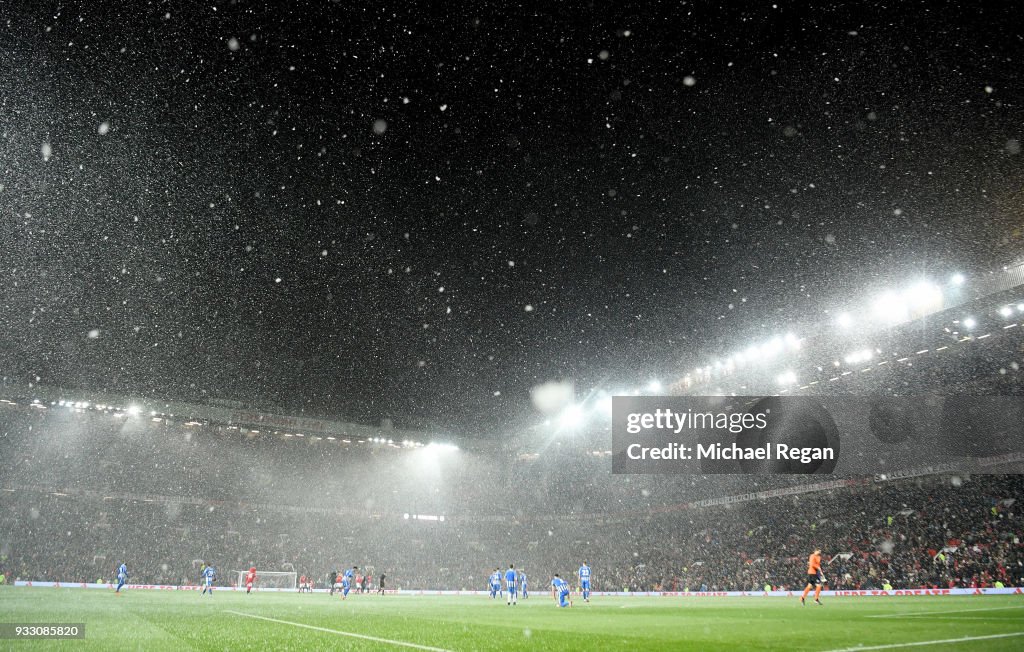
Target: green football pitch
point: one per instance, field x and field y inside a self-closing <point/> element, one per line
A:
<point x="172" y="620"/>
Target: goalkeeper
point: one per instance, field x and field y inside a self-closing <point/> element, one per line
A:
<point x="815" y="578"/>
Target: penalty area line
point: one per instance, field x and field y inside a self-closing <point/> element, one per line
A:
<point x="327" y="630"/>
<point x="892" y="646"/>
<point x="919" y="614"/>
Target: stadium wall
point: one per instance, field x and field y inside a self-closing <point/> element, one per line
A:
<point x="657" y="594"/>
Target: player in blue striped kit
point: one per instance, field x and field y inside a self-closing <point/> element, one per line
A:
<point x="495" y="583"/>
<point x="522" y="584"/>
<point x="209" y="574"/>
<point x="122" y="577"/>
<point x="584" y="574"/>
<point x="346" y="581"/>
<point x="510" y="585"/>
<point x="560" y="591"/>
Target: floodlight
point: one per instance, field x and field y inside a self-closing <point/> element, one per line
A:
<point x="772" y="347"/>
<point x="572" y="417"/>
<point x="889" y="307"/>
<point x="858" y="357"/>
<point x="436" y="446"/>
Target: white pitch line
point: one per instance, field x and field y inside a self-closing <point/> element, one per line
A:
<point x="965" y="639"/>
<point x="914" y="614"/>
<point x="341" y="633"/>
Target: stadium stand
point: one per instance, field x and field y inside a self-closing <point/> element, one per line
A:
<point x="83" y="488"/>
<point x="76" y="500"/>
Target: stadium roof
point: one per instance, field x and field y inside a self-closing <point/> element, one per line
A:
<point x="55" y="398"/>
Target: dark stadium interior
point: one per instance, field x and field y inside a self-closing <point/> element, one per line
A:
<point x="212" y="491"/>
<point x="300" y="287"/>
<point x="305" y="508"/>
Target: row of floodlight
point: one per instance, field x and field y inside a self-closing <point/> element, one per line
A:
<point x="406" y="443"/>
<point x="1008" y="311"/>
<point x="889" y="308"/>
<point x="922" y="297"/>
<point x="755" y="353"/>
<point x="862" y="356"/>
<point x="424" y="517"/>
<point x="131" y="410"/>
<point x="135" y="410"/>
<point x="575" y="415"/>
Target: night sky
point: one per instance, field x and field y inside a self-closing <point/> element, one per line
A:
<point x="422" y="210"/>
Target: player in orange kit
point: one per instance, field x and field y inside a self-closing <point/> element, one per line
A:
<point x="814" y="577"/>
<point x="250" y="577"/>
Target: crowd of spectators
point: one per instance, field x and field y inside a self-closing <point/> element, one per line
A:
<point x="72" y="510"/>
<point x="83" y="490"/>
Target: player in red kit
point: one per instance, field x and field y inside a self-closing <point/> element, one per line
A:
<point x="250" y="578"/>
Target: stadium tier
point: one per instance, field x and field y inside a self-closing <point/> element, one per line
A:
<point x="82" y="491"/>
<point x="86" y="485"/>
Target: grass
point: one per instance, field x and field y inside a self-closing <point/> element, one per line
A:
<point x="155" y="620"/>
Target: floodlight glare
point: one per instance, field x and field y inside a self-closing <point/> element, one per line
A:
<point x="969" y="323"/>
<point x="957" y="279"/>
<point x="654" y="386"/>
<point x="889" y="307"/>
<point x="442" y="447"/>
<point x="787" y="378"/>
<point x="1006" y="311"/>
<point x="844" y="320"/>
<point x="923" y="295"/>
<point x="572" y="417"/>
<point x="858" y="357"/>
<point x="134" y="410"/>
